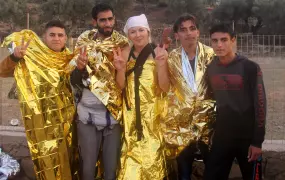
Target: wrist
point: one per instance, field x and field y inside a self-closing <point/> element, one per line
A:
<point x="14" y="58"/>
<point x="161" y="65"/>
<point x="256" y="145"/>
<point x="81" y="69"/>
<point x="122" y="70"/>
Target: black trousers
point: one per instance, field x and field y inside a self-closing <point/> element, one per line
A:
<point x="222" y="155"/>
<point x="187" y="156"/>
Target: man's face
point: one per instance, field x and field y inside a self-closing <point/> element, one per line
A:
<point x="105" y="23"/>
<point x="55" y="38"/>
<point x="222" y="43"/>
<point x="188" y="33"/>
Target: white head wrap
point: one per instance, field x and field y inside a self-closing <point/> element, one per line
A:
<point x="135" y="21"/>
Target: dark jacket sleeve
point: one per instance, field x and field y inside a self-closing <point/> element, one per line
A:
<point x="206" y="85"/>
<point x="7" y="66"/>
<point x="259" y="98"/>
<point x="76" y="78"/>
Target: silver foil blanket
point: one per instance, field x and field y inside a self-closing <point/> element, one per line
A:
<point x="8" y="166"/>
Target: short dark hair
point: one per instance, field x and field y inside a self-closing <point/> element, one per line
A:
<point x="224" y="28"/>
<point x="55" y="23"/>
<point x="101" y="7"/>
<point x="183" y="18"/>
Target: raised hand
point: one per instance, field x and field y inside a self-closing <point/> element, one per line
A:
<point x="20" y="51"/>
<point x="166" y="37"/>
<point x="161" y="56"/>
<point x="82" y="59"/>
<point x="119" y="62"/>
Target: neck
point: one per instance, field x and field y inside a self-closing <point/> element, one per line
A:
<point x="138" y="49"/>
<point x="190" y="49"/>
<point x="100" y="36"/>
<point x="227" y="58"/>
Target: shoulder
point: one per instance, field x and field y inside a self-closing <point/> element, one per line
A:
<point x="116" y="33"/>
<point x="251" y="67"/>
<point x="248" y="63"/>
<point x="213" y="62"/>
<point x="87" y="34"/>
<point x="208" y="50"/>
<point x="175" y="52"/>
<point x="120" y="38"/>
<point x="85" y="37"/>
<point x="207" y="53"/>
<point x="174" y="58"/>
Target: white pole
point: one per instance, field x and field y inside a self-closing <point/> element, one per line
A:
<point x="28" y="20"/>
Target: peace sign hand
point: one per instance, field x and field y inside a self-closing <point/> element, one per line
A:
<point x="20" y="51"/>
<point x="119" y="62"/>
<point x="82" y="59"/>
<point x="161" y="56"/>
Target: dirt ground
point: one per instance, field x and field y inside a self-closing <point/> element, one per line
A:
<point x="9" y="108"/>
<point x="273" y="162"/>
<point x="273" y="73"/>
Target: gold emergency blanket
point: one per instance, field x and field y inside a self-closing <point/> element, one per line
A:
<point x="47" y="106"/>
<point x="144" y="159"/>
<point x="189" y="115"/>
<point x="101" y="70"/>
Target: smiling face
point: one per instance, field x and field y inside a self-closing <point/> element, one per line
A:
<point x="139" y="36"/>
<point x="222" y="43"/>
<point x="187" y="33"/>
<point x="55" y="38"/>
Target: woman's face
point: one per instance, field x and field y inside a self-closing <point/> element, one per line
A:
<point x="139" y="36"/>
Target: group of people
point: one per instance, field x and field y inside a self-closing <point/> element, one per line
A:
<point x="126" y="107"/>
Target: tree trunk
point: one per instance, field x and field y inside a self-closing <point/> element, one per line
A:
<point x="145" y="6"/>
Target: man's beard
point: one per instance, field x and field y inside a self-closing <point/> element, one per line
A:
<point x="105" y="33"/>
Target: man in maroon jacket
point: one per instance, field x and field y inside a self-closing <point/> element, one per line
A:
<point x="237" y="86"/>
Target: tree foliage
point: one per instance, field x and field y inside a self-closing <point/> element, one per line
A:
<point x="72" y="12"/>
<point x="194" y="7"/>
<point x="272" y="15"/>
<point x="121" y="7"/>
<point x="178" y="7"/>
<point x="13" y="11"/>
<point x="77" y="13"/>
<point x="234" y="10"/>
<point x="268" y="14"/>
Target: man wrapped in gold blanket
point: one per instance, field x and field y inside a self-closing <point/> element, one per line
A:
<point x="41" y="70"/>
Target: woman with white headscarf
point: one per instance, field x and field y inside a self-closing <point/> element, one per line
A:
<point x="142" y="73"/>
